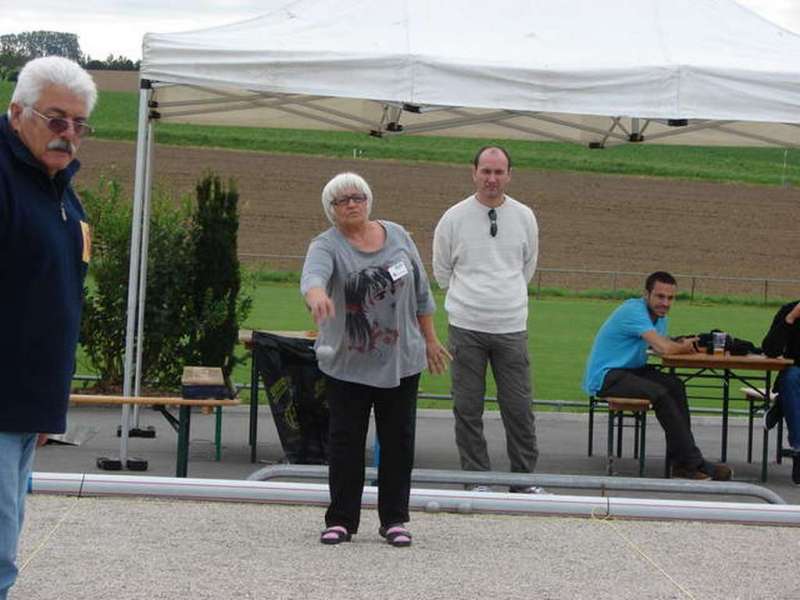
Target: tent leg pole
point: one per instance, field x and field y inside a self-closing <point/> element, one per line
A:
<point x="133" y="273"/>
<point x="144" y="250"/>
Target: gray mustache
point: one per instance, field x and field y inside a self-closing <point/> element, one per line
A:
<point x="61" y="144"/>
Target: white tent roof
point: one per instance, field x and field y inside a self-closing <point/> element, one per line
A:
<point x="512" y="59"/>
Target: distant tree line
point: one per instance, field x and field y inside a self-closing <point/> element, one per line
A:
<point x="18" y="48"/>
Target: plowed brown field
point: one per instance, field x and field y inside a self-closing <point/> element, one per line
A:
<point x="586" y="221"/>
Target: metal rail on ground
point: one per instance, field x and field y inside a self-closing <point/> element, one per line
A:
<point x="431" y="500"/>
<point x="586" y="482"/>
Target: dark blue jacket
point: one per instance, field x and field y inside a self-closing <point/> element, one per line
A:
<point x="41" y="288"/>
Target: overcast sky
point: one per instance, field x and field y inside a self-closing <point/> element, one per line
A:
<point x="117" y="26"/>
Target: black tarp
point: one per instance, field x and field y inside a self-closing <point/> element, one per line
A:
<point x="296" y="392"/>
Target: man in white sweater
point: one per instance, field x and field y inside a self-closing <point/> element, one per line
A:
<point x="484" y="254"/>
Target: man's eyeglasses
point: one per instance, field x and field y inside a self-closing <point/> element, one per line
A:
<point x="492" y="222"/>
<point x="345" y="200"/>
<point x="59" y="125"/>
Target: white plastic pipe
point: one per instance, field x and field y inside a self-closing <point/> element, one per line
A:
<point x="431" y="500"/>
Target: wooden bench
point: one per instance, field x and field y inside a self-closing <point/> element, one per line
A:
<point x="160" y="403"/>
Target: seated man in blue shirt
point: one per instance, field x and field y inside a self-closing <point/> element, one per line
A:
<point x="617" y="367"/>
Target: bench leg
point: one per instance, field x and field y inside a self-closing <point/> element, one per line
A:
<point x="764" y="455"/>
<point x="591" y="426"/>
<point x="610" y="450"/>
<point x="620" y="423"/>
<point x="643" y="433"/>
<point x="779" y="443"/>
<point x="253" y="406"/>
<point x="218" y="435"/>
<point x="184" y="422"/>
<point x="750" y="432"/>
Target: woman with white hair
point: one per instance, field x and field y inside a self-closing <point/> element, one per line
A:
<point x="367" y="290"/>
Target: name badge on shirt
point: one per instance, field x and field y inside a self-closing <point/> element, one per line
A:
<point x="398" y="270"/>
<point x="86" y="231"/>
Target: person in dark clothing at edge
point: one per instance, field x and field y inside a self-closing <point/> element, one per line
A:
<point x="44" y="254"/>
<point x="783" y="339"/>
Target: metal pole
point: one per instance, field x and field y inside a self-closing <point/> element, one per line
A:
<point x="143" y="271"/>
<point x="431" y="500"/>
<point x="133" y="271"/>
<point x="585" y="482"/>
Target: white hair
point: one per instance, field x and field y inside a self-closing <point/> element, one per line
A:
<point x="339" y="184"/>
<point x="40" y="73"/>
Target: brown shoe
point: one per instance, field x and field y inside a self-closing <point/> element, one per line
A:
<point x="721" y="472"/>
<point x="681" y="472"/>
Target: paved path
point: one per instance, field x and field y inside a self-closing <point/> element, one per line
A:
<point x="562" y="444"/>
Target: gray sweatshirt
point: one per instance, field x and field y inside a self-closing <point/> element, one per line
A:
<point x="377" y="296"/>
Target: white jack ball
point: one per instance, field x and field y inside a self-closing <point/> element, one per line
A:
<point x="324" y="352"/>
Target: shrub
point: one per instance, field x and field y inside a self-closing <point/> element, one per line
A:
<point x="215" y="306"/>
<point x="105" y="310"/>
<point x="189" y="315"/>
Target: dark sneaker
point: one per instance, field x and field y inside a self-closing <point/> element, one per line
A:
<point x="773" y="414"/>
<point x="682" y="472"/>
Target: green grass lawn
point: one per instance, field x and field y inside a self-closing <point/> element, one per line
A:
<point x="560" y="334"/>
<point x="116" y="113"/>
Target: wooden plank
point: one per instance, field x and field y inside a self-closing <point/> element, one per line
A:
<point x="202" y="376"/>
<point x="750" y="362"/>
<point x="147" y="400"/>
<point x="632" y="404"/>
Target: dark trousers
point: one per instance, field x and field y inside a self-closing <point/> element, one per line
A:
<point x="395" y="421"/>
<point x="668" y="396"/>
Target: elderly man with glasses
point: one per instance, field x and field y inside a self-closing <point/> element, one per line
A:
<point x="484" y="254"/>
<point x="44" y="254"/>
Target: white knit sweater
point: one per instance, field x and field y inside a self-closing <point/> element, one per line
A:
<point x="486" y="277"/>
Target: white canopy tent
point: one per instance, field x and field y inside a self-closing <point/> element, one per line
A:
<point x="531" y="68"/>
<point x="600" y="73"/>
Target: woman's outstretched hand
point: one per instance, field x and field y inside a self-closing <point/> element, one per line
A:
<point x="320" y="305"/>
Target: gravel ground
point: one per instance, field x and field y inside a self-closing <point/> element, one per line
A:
<point x="119" y="548"/>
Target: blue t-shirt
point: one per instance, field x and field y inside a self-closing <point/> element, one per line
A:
<point x="619" y="343"/>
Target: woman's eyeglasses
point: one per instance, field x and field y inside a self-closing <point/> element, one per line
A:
<point x="59" y="125"/>
<point x="492" y="222"/>
<point x="345" y="200"/>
